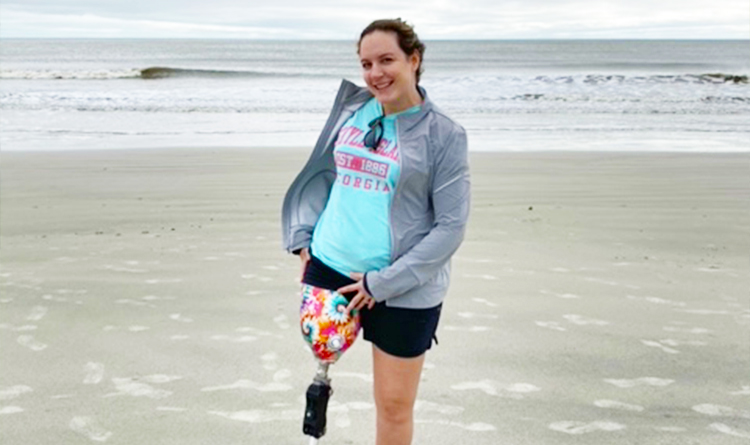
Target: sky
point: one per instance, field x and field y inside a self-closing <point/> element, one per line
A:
<point x="328" y="19"/>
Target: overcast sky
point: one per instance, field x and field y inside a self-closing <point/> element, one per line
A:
<point x="328" y="19"/>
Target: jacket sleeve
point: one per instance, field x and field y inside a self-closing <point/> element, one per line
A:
<point x="450" y="199"/>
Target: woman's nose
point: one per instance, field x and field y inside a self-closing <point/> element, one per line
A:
<point x="376" y="71"/>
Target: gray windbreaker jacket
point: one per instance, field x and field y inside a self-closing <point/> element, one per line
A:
<point x="429" y="209"/>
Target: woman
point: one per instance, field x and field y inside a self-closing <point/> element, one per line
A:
<point x="379" y="209"/>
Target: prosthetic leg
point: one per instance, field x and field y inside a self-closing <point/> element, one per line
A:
<point x="318" y="394"/>
<point x="329" y="332"/>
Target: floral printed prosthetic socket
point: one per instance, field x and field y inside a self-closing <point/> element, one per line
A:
<point x="324" y="323"/>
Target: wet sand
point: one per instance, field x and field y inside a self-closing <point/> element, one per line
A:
<point x="599" y="298"/>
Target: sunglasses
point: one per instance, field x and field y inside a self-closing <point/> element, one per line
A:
<point x="375" y="134"/>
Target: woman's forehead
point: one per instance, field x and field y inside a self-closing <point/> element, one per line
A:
<point x="377" y="44"/>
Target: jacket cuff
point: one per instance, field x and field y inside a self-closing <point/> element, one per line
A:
<point x="367" y="288"/>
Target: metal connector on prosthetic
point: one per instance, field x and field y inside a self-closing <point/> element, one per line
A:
<point x="318" y="394"/>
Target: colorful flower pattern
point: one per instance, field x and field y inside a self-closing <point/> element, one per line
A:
<point x="324" y="322"/>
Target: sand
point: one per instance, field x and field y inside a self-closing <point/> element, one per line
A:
<point x="598" y="298"/>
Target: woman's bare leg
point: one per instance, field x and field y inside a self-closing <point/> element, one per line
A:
<point x="395" y="385"/>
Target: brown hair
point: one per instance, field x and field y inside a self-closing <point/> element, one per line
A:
<point x="407" y="38"/>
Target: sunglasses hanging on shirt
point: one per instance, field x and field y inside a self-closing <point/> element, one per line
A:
<point x="375" y="134"/>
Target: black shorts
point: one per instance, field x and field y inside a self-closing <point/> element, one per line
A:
<point x="397" y="331"/>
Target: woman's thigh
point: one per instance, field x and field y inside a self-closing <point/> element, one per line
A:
<point x="395" y="381"/>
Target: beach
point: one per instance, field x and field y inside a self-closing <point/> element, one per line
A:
<point x="598" y="298"/>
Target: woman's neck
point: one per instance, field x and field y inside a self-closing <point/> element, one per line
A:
<point x="403" y="103"/>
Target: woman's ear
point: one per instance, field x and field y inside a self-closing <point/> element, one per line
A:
<point x="414" y="61"/>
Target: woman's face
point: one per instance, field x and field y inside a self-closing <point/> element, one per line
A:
<point x="389" y="73"/>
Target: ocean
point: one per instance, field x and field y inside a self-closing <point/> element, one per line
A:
<point x="599" y="95"/>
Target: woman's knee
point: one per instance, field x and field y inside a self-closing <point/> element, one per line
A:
<point x="394" y="409"/>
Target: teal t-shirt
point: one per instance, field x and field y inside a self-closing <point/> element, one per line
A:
<point x="353" y="232"/>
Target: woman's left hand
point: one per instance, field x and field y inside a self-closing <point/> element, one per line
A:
<point x="362" y="298"/>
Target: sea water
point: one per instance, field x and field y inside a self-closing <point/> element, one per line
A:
<point x="611" y="95"/>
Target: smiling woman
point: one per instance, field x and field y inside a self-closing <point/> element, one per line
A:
<point x="377" y="213"/>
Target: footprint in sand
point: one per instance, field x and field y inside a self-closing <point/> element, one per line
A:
<point x="238" y="339"/>
<point x="72" y="291"/>
<point x="269" y="361"/>
<point x="30" y="342"/>
<point x="745" y="391"/>
<point x="583" y="321"/>
<point x="671" y="429"/>
<point x="94" y="373"/>
<point x="573" y="427"/>
<point x="514" y="391"/>
<point x="614" y="404"/>
<point x="157" y="298"/>
<point x="138" y="328"/>
<point x="484" y="301"/>
<point x="672" y="342"/>
<point x="135" y="386"/>
<point x="687" y="330"/>
<point x="720" y="411"/>
<point x="37" y="313"/>
<point x="341" y="411"/>
<point x="599" y="280"/>
<point x="656" y="344"/>
<point x="281" y="321"/>
<point x="559" y="295"/>
<point x="14" y="392"/>
<point x="11" y="409"/>
<point x="425" y="406"/>
<point x="258" y="332"/>
<point x="656" y="300"/>
<point x="357" y="375"/>
<point x="122" y="269"/>
<point x="249" y="384"/>
<point x="726" y="429"/>
<point x="134" y="302"/>
<point x="180" y="318"/>
<point x="467" y="328"/>
<point x="259" y="416"/>
<point x="481" y="277"/>
<point x="281" y="375"/>
<point x="476" y="426"/>
<point x="25" y="328"/>
<point x="235" y="254"/>
<point x="473" y="315"/>
<point x="550" y="325"/>
<point x="87" y="426"/>
<point x="171" y="409"/>
<point x="54" y="298"/>
<point x="641" y="381"/>
<point x="705" y="311"/>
